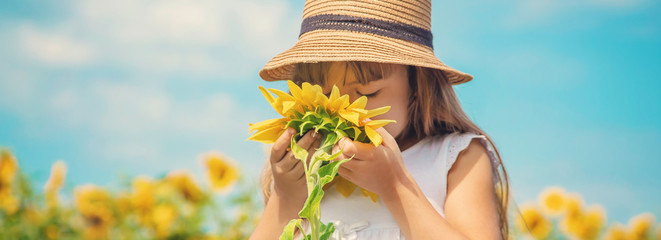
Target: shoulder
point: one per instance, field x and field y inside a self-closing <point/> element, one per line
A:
<point x="470" y="190"/>
<point x="470" y="155"/>
<point x="471" y="159"/>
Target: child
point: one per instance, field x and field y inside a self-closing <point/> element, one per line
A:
<point x="436" y="174"/>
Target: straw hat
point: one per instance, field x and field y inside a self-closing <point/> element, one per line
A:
<point x="387" y="31"/>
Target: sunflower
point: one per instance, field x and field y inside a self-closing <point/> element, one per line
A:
<point x="552" y="200"/>
<point x="9" y="203"/>
<point x="123" y="203"/>
<point x="616" y="231"/>
<point x="142" y="198"/>
<point x="533" y="221"/>
<point x="308" y="108"/>
<point x="591" y="223"/>
<point x="184" y="184"/>
<point x="8" y="168"/>
<point x="221" y="171"/>
<point x="95" y="206"/>
<point x="573" y="213"/>
<point x="163" y="217"/>
<point x="640" y="226"/>
<point x="334" y="116"/>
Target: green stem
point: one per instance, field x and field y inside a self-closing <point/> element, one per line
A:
<point x="314" y="227"/>
<point x="312" y="179"/>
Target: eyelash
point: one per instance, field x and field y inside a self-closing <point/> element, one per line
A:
<point x="369" y="95"/>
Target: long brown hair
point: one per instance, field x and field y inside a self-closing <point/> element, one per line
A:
<point x="434" y="110"/>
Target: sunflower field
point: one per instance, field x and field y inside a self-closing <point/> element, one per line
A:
<point x="173" y="206"/>
<point x="558" y="214"/>
<point x="176" y="206"/>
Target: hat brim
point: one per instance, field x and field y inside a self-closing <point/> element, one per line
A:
<point x="339" y="45"/>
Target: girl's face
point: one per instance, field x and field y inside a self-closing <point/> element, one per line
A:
<point x="392" y="90"/>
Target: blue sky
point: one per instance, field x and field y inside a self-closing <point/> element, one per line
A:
<point x="567" y="89"/>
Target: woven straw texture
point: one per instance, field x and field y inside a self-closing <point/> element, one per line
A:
<point x="323" y="45"/>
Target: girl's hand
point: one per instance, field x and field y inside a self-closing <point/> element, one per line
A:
<point x="373" y="168"/>
<point x="288" y="174"/>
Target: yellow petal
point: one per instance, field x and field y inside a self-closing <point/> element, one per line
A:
<point x="285" y="96"/>
<point x="372" y="195"/>
<point x="333" y="99"/>
<point x="343" y="102"/>
<point x="317" y="88"/>
<point x="374" y="124"/>
<point x="266" y="124"/>
<point x="361" y="111"/>
<point x="374" y="137"/>
<point x="267" y="95"/>
<point x="321" y="99"/>
<point x="294" y="89"/>
<point x="308" y="94"/>
<point x="344" y="186"/>
<point x="353" y="117"/>
<point x="287" y="105"/>
<point x="268" y="135"/>
<point x="335" y="94"/>
<point x="376" y="112"/>
<point x="359" y="103"/>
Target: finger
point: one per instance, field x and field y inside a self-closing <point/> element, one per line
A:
<point x="299" y="171"/>
<point x="354" y="164"/>
<point x="388" y="140"/>
<point x="308" y="139"/>
<point x="281" y="145"/>
<point x="357" y="149"/>
<point x="345" y="173"/>
<point x="295" y="165"/>
<point x="287" y="163"/>
<point x="315" y="144"/>
<point x="335" y="149"/>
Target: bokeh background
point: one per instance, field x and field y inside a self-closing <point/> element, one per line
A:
<point x="568" y="90"/>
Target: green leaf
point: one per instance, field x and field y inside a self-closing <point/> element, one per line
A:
<point x="329" y="140"/>
<point x="298" y="151"/>
<point x="312" y="203"/>
<point x="310" y="113"/>
<point x="326" y="124"/>
<point x="305" y="126"/>
<point x="294" y="123"/>
<point x="326" y="231"/>
<point x="327" y="172"/>
<point x="288" y="232"/>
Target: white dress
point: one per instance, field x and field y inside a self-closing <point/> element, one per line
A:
<point x="428" y="161"/>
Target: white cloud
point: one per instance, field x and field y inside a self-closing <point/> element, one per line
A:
<point x="54" y="48"/>
<point x="154" y="22"/>
<point x="204" y="39"/>
<point x="103" y="76"/>
<point x="125" y="121"/>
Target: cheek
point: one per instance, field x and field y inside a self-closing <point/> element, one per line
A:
<point x="398" y="112"/>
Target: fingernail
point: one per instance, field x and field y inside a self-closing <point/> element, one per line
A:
<point x="290" y="131"/>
